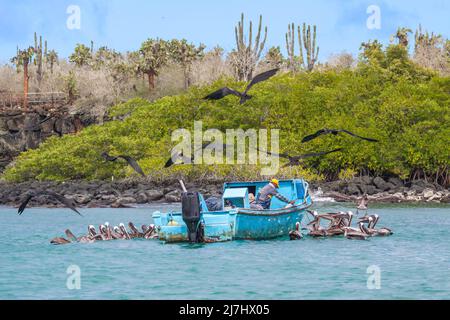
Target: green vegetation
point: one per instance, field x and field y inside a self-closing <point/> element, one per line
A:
<point x="386" y="97"/>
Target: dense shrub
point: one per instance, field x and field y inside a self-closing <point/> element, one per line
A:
<point x="396" y="102"/>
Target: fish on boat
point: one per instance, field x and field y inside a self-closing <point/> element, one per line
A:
<point x="237" y="219"/>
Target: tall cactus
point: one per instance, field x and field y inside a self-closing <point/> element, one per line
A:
<point x="247" y="55"/>
<point x="290" y="47"/>
<point x="306" y="41"/>
<point x="38" y="58"/>
<point x="309" y="43"/>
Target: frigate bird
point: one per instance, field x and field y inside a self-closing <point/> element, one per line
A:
<point x="60" y="198"/>
<point x="296" y="160"/>
<point x="244" y="96"/>
<point x="334" y="132"/>
<point x="131" y="161"/>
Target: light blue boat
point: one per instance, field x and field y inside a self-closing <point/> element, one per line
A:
<point x="236" y="220"/>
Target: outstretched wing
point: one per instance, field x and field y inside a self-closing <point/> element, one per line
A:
<point x="281" y="155"/>
<point x="316" y="154"/>
<point x="133" y="163"/>
<point x="67" y="202"/>
<point x="175" y="158"/>
<point x="315" y="135"/>
<point x="355" y="135"/>
<point x="24" y="204"/>
<point x="261" y="77"/>
<point x="107" y="157"/>
<point x="221" y="93"/>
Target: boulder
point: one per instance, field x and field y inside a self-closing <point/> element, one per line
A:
<point x="81" y="198"/>
<point x="396" y="181"/>
<point x="141" y="198"/>
<point x="154" y="195"/>
<point x="173" y="196"/>
<point x="125" y="200"/>
<point x="380" y="184"/>
<point x="353" y="189"/>
<point x="367" y="180"/>
<point x="428" y="193"/>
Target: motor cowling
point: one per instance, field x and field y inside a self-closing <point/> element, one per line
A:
<point x="191" y="213"/>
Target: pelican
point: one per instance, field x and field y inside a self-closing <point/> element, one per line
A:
<point x="59" y="241"/>
<point x="352" y="234"/>
<point x="124" y="231"/>
<point x="296" y="234"/>
<point x="135" y="233"/>
<point x="151" y="232"/>
<point x="363" y="204"/>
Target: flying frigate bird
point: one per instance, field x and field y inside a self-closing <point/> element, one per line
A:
<point x="334" y="132"/>
<point x="60" y="198"/>
<point x="244" y="96"/>
<point x="296" y="160"/>
<point x="131" y="162"/>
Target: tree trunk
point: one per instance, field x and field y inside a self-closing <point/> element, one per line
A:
<point x="151" y="80"/>
<point x="25" y="85"/>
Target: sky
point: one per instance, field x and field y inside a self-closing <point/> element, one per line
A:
<point x="125" y="24"/>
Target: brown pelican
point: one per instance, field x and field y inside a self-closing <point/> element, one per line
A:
<point x="362" y="204"/>
<point x="371" y="220"/>
<point x="151" y="232"/>
<point x="296" y="234"/>
<point x="82" y="239"/>
<point x="118" y="233"/>
<point x="125" y="233"/>
<point x="376" y="232"/>
<point x="59" y="240"/>
<point x="352" y="234"/>
<point x="223" y="92"/>
<point x="135" y="233"/>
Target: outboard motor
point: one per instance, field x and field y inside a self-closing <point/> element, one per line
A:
<point x="190" y="207"/>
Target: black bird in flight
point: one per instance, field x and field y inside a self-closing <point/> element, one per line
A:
<point x="223" y="92"/>
<point x="60" y="198"/>
<point x="133" y="163"/>
<point x="295" y="160"/>
<point x="179" y="156"/>
<point x="334" y="132"/>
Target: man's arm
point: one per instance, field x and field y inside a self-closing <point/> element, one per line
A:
<point x="281" y="197"/>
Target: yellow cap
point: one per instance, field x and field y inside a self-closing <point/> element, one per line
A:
<point x="275" y="182"/>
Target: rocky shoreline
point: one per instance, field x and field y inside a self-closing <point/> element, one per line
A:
<point x="125" y="193"/>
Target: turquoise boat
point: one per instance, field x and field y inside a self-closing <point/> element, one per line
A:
<point x="236" y="219"/>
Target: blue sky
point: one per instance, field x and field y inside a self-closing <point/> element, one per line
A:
<point x="124" y="24"/>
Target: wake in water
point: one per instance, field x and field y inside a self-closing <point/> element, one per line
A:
<point x="317" y="196"/>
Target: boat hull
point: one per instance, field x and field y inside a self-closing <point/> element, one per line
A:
<point x="262" y="226"/>
<point x="233" y="225"/>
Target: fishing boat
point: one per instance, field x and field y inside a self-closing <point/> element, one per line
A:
<point x="236" y="219"/>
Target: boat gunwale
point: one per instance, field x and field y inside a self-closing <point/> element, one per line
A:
<point x="273" y="213"/>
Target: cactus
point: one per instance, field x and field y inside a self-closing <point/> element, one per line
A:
<point x="425" y="39"/>
<point x="307" y="41"/>
<point x="402" y="36"/>
<point x="185" y="54"/>
<point x="38" y="58"/>
<point x="51" y="58"/>
<point x="246" y="55"/>
<point x="312" y="52"/>
<point x="152" y="55"/>
<point x="290" y="47"/>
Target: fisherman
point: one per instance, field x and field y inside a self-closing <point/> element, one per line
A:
<point x="267" y="192"/>
<point x="253" y="204"/>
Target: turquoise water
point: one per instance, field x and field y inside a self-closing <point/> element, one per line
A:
<point x="414" y="263"/>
